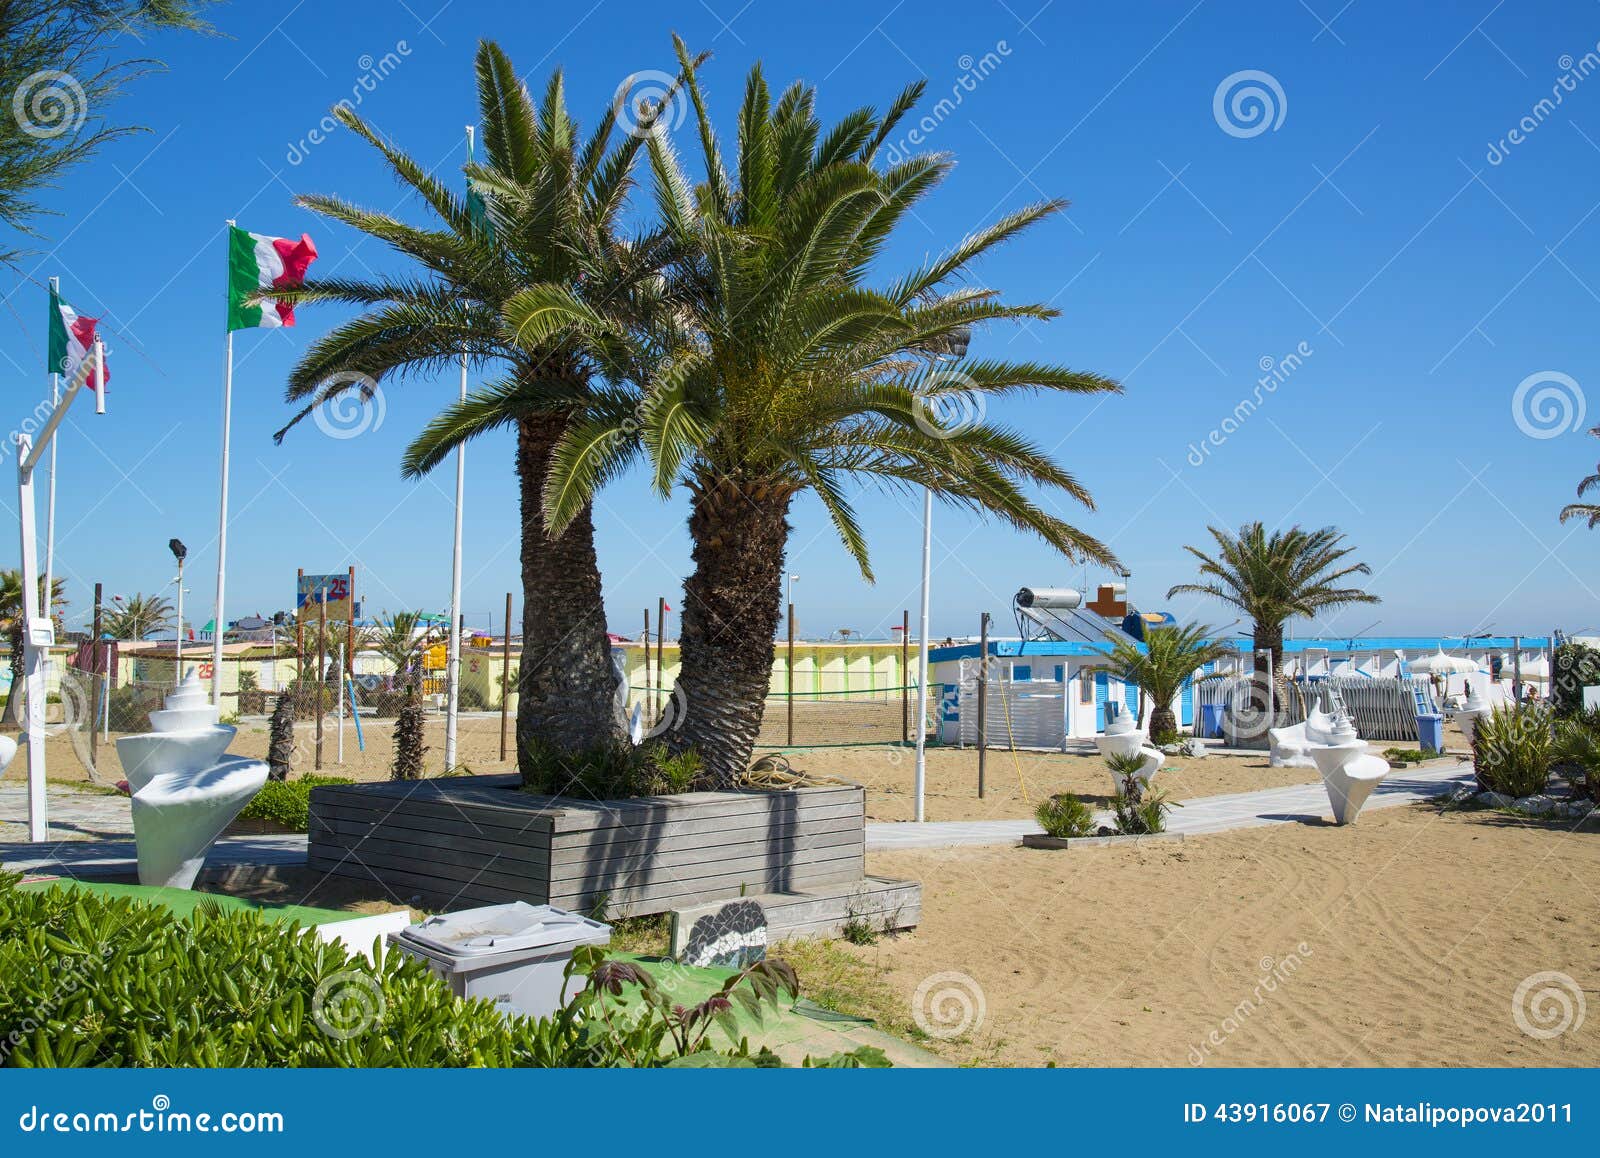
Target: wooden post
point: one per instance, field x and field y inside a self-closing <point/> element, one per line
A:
<point x="648" y="710"/>
<point x="983" y="697"/>
<point x="322" y="637"/>
<point x="790" y="704"/>
<point x="905" y="677"/>
<point x="505" y="681"/>
<point x="661" y="661"/>
<point x="95" y="683"/>
<point x="350" y="632"/>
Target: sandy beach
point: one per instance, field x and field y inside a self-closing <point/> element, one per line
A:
<point x="1401" y="941"/>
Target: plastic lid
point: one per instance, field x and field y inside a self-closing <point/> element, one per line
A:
<point x="501" y="929"/>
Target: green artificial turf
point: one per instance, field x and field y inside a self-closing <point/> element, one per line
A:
<point x="182" y="902"/>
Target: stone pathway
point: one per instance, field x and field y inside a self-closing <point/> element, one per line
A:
<point x="93" y="833"/>
<point x="1297" y="802"/>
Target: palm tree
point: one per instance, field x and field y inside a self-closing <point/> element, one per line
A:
<point x="403" y="639"/>
<point x="1274" y="578"/>
<point x="545" y="230"/>
<point x="138" y="617"/>
<point x="11" y="622"/>
<point x="1169" y="657"/>
<point x="1587" y="511"/>
<point x="795" y="374"/>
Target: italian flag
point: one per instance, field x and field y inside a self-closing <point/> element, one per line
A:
<point x="71" y="335"/>
<point x="257" y="262"/>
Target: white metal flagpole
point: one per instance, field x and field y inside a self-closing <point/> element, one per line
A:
<point x="453" y="672"/>
<point x="50" y="503"/>
<point x="922" y="660"/>
<point x="217" y="622"/>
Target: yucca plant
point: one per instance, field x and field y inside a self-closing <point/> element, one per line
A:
<point x="1064" y="817"/>
<point x="1513" y="748"/>
<point x="798" y="367"/>
<point x="541" y="228"/>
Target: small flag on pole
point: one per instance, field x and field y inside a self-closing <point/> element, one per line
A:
<point x="71" y="338"/>
<point x="257" y="262"/>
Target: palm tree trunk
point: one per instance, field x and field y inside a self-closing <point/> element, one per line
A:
<point x="730" y="621"/>
<point x="13" y="710"/>
<point x="1163" y="720"/>
<point x="1269" y="638"/>
<point x="567" y="686"/>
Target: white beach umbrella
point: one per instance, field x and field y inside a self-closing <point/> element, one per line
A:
<point x="1441" y="664"/>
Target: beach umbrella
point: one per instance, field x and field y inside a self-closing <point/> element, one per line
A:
<point x="1441" y="664"/>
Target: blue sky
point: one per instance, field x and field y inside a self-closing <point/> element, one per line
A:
<point x="1419" y="281"/>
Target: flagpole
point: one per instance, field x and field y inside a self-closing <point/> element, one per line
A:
<point x="217" y="623"/>
<point x="453" y="681"/>
<point x="50" y="503"/>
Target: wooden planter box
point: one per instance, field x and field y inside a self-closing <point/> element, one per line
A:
<point x="481" y="840"/>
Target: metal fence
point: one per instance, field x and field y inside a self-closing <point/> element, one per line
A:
<point x="1380" y="709"/>
<point x="811" y="719"/>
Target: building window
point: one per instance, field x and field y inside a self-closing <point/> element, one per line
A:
<point x="1085" y="686"/>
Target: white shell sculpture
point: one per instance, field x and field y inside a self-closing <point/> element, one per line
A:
<point x="185" y="790"/>
<point x="8" y="753"/>
<point x="1123" y="737"/>
<point x="1349" y="770"/>
<point x="1470" y="712"/>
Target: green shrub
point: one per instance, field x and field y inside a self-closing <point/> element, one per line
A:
<point x="1065" y="816"/>
<point x="92" y="981"/>
<point x="1166" y="737"/>
<point x="1577" y="665"/>
<point x="287" y="802"/>
<point x="1577" y="747"/>
<point x="1136" y="810"/>
<point x="1407" y="755"/>
<point x="1513" y="748"/>
<point x="607" y="772"/>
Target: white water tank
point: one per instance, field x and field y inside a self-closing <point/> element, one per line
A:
<point x="1057" y="598"/>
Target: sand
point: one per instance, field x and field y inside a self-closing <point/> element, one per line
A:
<point x="1398" y="942"/>
<point x="1014" y="786"/>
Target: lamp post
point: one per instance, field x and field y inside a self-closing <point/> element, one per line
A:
<point x="180" y="553"/>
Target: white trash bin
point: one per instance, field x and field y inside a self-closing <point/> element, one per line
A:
<point x="514" y="955"/>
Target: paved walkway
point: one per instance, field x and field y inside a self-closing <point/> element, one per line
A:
<point x="1297" y="802"/>
<point x="93" y="833"/>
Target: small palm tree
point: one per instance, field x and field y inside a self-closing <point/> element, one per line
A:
<point x="1169" y="657"/>
<point x="138" y="617"/>
<point x="1275" y="578"/>
<point x="794" y="372"/>
<point x="1589" y="512"/>
<point x="402" y="639"/>
<point x="548" y="231"/>
<point x="11" y="622"/>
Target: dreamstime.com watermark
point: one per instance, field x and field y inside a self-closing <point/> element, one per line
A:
<point x="373" y="73"/>
<point x="49" y="103"/>
<point x="1547" y="404"/>
<point x="1547" y="1005"/>
<point x="1274" y="973"/>
<point x="70" y="977"/>
<point x="650" y="103"/>
<point x="351" y="404"/>
<point x="1248" y="103"/>
<point x="948" y="1005"/>
<point x="1274" y="373"/>
<point x="1573" y="73"/>
<point x="159" y="1118"/>
<point x="974" y="71"/>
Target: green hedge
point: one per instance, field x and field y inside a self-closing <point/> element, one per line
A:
<point x="91" y="981"/>
<point x="288" y="802"/>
